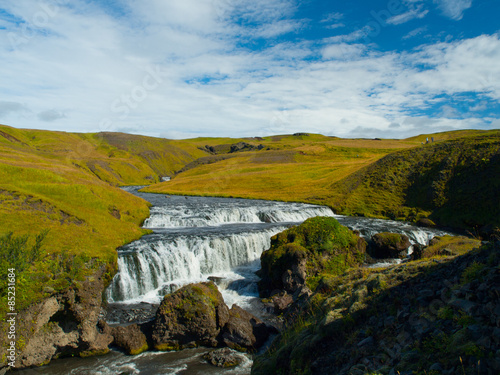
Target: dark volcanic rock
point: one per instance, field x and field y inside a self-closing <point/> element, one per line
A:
<point x="244" y="331"/>
<point x="192" y="316"/>
<point x="224" y="357"/>
<point x="389" y="245"/>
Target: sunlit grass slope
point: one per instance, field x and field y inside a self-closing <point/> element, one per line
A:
<point x="288" y="167"/>
<point x="67" y="184"/>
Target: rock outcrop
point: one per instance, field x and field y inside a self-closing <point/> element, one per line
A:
<point x="192" y="316"/>
<point x="300" y="253"/>
<point x="131" y="339"/>
<point x="389" y="245"/>
<point x="243" y="331"/>
<point x="62" y="325"/>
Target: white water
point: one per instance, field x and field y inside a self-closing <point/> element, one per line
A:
<point x="153" y="266"/>
<point x="211" y="215"/>
<point x="196" y="238"/>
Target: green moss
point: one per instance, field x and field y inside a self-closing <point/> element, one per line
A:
<point x="327" y="247"/>
<point x="167" y="347"/>
<point x="92" y="353"/>
<point x="142" y="349"/>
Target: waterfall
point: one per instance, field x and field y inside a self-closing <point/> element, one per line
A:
<point x="157" y="264"/>
<point x="196" y="216"/>
<point x="198" y="237"/>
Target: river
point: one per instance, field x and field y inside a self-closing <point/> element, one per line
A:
<point x="194" y="239"/>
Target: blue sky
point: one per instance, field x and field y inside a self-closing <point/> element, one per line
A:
<point x="189" y="68"/>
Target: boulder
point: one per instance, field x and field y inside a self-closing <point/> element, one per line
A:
<point x="426" y="223"/>
<point x="224" y="358"/>
<point x="131" y="339"/>
<point x="192" y="316"/>
<point x="389" y="245"/>
<point x="243" y="331"/>
<point x="281" y="301"/>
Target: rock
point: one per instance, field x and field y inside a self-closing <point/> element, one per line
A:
<point x="426" y="223"/>
<point x="224" y="357"/>
<point x="389" y="245"/>
<point x="446" y="252"/>
<point x="466" y="306"/>
<point x="64" y="324"/>
<point x="192" y="316"/>
<point x="366" y="342"/>
<point x="417" y="252"/>
<point x="295" y="277"/>
<point x="281" y="302"/>
<point x="243" y="331"/>
<point x="130" y="338"/>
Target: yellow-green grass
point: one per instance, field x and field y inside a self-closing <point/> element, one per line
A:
<point x="294" y="169"/>
<point x="451" y="245"/>
<point x="66" y="183"/>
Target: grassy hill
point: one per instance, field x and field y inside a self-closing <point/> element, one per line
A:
<point x="66" y="183"/>
<point x="298" y="167"/>
<point x="454" y="182"/>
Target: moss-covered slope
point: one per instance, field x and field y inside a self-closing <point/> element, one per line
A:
<point x="434" y="316"/>
<point x="455" y="182"/>
<point x="65" y="183"/>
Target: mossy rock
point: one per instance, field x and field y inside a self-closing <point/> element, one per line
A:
<point x="319" y="246"/>
<point x="389" y="245"/>
<point x="192" y="316"/>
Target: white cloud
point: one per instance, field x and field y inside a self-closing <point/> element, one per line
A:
<point x="453" y="9"/>
<point x="415" y="32"/>
<point x="179" y="69"/>
<point x="417" y="12"/>
<point x="343" y="51"/>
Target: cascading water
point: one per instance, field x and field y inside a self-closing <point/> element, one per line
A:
<point x="195" y="238"/>
<point x="159" y="263"/>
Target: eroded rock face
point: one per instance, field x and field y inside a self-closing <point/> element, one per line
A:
<point x="192" y="316"/>
<point x="389" y="245"/>
<point x="63" y="325"/>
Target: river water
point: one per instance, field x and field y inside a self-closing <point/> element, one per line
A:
<point x="194" y="239"/>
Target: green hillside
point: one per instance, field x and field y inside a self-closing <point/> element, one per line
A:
<point x="455" y="182"/>
<point x="66" y="184"/>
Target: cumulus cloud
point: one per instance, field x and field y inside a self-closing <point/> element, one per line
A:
<point x="184" y="69"/>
